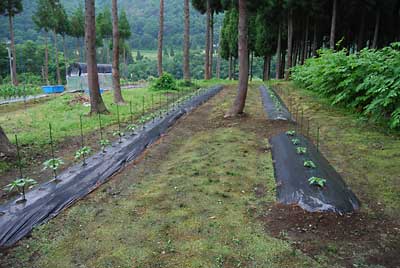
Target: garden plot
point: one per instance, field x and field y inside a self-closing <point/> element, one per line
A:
<point x="305" y="178"/>
<point x="48" y="199"/>
<point x="274" y="106"/>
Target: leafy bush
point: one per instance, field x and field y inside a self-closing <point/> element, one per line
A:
<point x="166" y="82"/>
<point x="10" y="91"/>
<point x="367" y="82"/>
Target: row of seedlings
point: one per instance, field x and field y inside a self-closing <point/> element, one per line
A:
<point x="23" y="183"/>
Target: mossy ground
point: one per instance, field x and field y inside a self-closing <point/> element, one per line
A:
<point x="192" y="201"/>
<point x="367" y="155"/>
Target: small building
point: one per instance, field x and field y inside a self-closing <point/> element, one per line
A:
<point x="77" y="78"/>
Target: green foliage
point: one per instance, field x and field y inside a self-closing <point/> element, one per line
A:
<point x="367" y="82"/>
<point x="165" y="83"/>
<point x="53" y="163"/>
<point x="291" y="132"/>
<point x="295" y="141"/>
<point x="301" y="150"/>
<point x="82" y="153"/>
<point x="10" y="91"/>
<point x="20" y="185"/>
<point x="104" y="143"/>
<point x="309" y="164"/>
<point x="320" y="182"/>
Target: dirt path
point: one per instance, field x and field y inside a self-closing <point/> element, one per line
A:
<point x="203" y="196"/>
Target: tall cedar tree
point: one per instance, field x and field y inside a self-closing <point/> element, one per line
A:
<point x="124" y="32"/>
<point x="186" y="42"/>
<point x="115" y="63"/>
<point x="160" y="40"/>
<point x="45" y="21"/>
<point x="77" y="29"/>
<point x="104" y="32"/>
<point x="96" y="101"/>
<point x="10" y="8"/>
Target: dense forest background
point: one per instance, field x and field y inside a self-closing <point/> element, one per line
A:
<point x="142" y="17"/>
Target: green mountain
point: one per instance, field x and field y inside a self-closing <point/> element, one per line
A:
<point x="142" y="15"/>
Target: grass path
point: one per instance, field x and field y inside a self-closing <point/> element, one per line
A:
<point x="192" y="201"/>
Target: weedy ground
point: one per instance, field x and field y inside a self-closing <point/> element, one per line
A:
<point x="204" y="196"/>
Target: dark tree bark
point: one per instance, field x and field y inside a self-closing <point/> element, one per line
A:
<point x="333" y="25"/>
<point x="160" y="39"/>
<point x="267" y="68"/>
<point x="251" y="65"/>
<point x="65" y="55"/>
<point x="208" y="35"/>
<point x="290" y="44"/>
<point x="230" y="67"/>
<point x="283" y="62"/>
<point x="118" y="99"/>
<point x="278" y="53"/>
<point x="57" y="61"/>
<point x="46" y="58"/>
<point x="210" y="67"/>
<point x="219" y="56"/>
<point x="304" y="52"/>
<point x="6" y="147"/>
<point x="360" y="39"/>
<point x="13" y="50"/>
<point x="240" y="100"/>
<point x="376" y="32"/>
<point x="96" y="101"/>
<point x="314" y="44"/>
<point x="186" y="42"/>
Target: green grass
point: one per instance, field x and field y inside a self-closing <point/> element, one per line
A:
<point x="31" y="124"/>
<point x="366" y="154"/>
<point x="193" y="207"/>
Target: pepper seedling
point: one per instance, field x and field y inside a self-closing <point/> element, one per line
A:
<point x="104" y="143"/>
<point x="82" y="153"/>
<point x="20" y="186"/>
<point x="53" y="164"/>
<point x="132" y="128"/>
<point x="309" y="164"/>
<point x="291" y="132"/>
<point x="320" y="182"/>
<point x="295" y="141"/>
<point x="120" y="134"/>
<point x="301" y="150"/>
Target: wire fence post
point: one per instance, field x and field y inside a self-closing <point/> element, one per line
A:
<point x="318" y="134"/>
<point x="131" y="111"/>
<point x="52" y="149"/>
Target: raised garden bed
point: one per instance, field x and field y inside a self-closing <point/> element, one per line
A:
<point x="48" y="199"/>
<point x="305" y="178"/>
<point x="273" y="105"/>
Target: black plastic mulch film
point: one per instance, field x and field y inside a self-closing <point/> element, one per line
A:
<point x="274" y="106"/>
<point x="48" y="199"/>
<point x="292" y="177"/>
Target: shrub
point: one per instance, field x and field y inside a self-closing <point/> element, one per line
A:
<point x="367" y="82"/>
<point x="165" y="82"/>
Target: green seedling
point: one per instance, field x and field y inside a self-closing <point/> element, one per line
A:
<point x="301" y="150"/>
<point x="320" y="182"/>
<point x="309" y="164"/>
<point x="291" y="132"/>
<point x="118" y="133"/>
<point x="53" y="164"/>
<point x="132" y="128"/>
<point x="20" y="186"/>
<point x="104" y="143"/>
<point x="295" y="141"/>
<point x="82" y="153"/>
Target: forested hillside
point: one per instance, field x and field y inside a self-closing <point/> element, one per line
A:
<point x="142" y="16"/>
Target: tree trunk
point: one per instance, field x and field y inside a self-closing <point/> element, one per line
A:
<point x="160" y="39"/>
<point x="210" y="67"/>
<point x="376" y="32"/>
<point x="230" y="68"/>
<point x="186" y="42"/>
<point x="278" y="53"/>
<point x="304" y="52"/>
<point x="96" y="101"/>
<point x="314" y="44"/>
<point x="251" y="65"/>
<point x="234" y="69"/>
<point x="13" y="50"/>
<point x="283" y="61"/>
<point x="240" y="100"/>
<point x="290" y="44"/>
<point x="57" y="61"/>
<point x="333" y="25"/>
<point x="46" y="59"/>
<point x="219" y="55"/>
<point x="207" y="52"/>
<point x="6" y="147"/>
<point x="118" y="99"/>
<point x="267" y="68"/>
<point x="65" y="56"/>
<point x="361" y="41"/>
